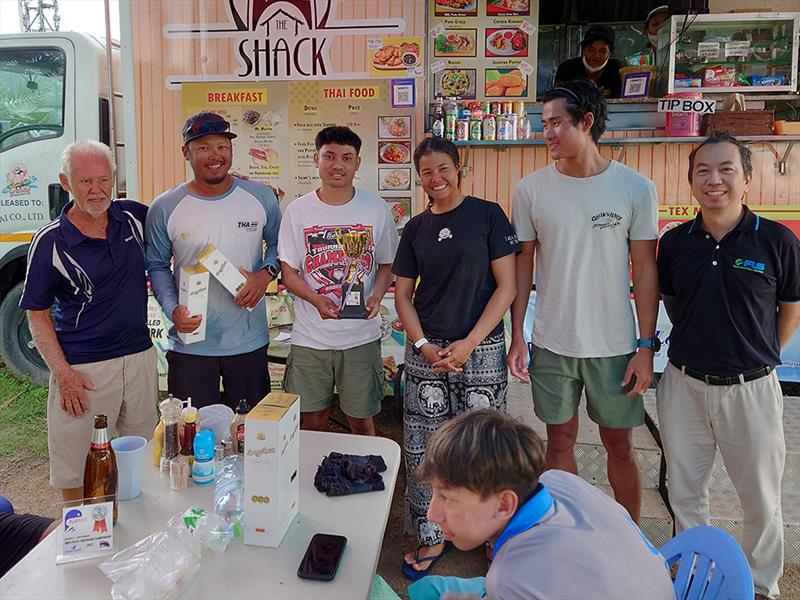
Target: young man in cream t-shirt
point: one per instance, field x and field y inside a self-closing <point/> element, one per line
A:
<point x="590" y="223"/>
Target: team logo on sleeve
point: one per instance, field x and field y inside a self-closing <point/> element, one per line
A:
<point x="325" y="260"/>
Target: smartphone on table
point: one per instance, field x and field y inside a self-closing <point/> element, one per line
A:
<point x="322" y="557"/>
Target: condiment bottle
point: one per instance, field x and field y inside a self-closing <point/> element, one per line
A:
<point x="237" y="427"/>
<point x="437" y="128"/>
<point x="100" y="478"/>
<point x="189" y="431"/>
<point x="170" y="416"/>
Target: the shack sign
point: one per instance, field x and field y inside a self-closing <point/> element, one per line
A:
<point x="279" y="39"/>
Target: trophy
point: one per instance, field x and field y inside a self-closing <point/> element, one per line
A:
<point x="354" y="244"/>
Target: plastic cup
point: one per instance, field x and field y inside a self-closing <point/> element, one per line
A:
<point x="130" y="452"/>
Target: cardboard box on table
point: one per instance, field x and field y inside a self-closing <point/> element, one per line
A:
<point x="271" y="462"/>
<point x="193" y="294"/>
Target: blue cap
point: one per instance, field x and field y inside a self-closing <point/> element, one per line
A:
<point x="205" y="123"/>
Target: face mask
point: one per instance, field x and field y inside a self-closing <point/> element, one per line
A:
<point x="653" y="39"/>
<point x="592" y="69"/>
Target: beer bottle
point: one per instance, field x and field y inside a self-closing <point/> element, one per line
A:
<point x="100" y="473"/>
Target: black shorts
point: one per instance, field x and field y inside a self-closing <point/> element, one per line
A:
<point x="19" y="534"/>
<point x="244" y="376"/>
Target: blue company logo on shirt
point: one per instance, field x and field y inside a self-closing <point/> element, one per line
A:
<point x="606" y="220"/>
<point x="745" y="264"/>
<point x="248" y="225"/>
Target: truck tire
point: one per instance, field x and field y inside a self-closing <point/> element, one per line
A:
<point x="16" y="343"/>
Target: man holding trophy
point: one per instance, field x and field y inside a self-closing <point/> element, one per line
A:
<point x="336" y="247"/>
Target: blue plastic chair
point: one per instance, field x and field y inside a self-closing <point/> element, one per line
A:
<point x="711" y="566"/>
<point x="5" y="505"/>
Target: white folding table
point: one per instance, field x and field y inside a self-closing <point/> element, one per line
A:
<point x="241" y="571"/>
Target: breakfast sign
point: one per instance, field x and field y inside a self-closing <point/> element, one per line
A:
<point x="276" y="124"/>
<point x="482" y="49"/>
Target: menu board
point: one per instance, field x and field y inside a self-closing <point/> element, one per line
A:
<point x="483" y="49"/>
<point x="276" y="124"/>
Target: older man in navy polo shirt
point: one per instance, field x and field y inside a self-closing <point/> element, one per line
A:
<point x="88" y="266"/>
<point x="731" y="286"/>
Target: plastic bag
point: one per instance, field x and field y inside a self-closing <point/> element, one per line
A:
<point x="159" y="566"/>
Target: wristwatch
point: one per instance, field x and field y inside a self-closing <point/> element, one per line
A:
<point x="272" y="270"/>
<point x="421" y="342"/>
<point x="652" y="343"/>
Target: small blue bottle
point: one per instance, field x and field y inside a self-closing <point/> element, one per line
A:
<point x="203" y="467"/>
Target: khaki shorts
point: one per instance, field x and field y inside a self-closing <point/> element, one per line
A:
<point x="127" y="391"/>
<point x="356" y="373"/>
<point x="557" y="382"/>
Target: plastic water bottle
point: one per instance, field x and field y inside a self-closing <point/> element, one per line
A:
<point x="203" y="467"/>
<point x="229" y="490"/>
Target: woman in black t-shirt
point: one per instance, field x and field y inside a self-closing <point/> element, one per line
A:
<point x="455" y="269"/>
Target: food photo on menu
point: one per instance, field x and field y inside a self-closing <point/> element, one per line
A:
<point x="496" y="8"/>
<point x="456" y="8"/>
<point x="506" y="82"/>
<point x="506" y="42"/>
<point x="394" y="153"/>
<point x="455" y="82"/>
<point x="400" y="209"/>
<point x="456" y="42"/>
<point x="396" y="55"/>
<point x="398" y="179"/>
<point x="394" y="127"/>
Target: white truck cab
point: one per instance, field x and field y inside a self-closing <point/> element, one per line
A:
<point x="53" y="91"/>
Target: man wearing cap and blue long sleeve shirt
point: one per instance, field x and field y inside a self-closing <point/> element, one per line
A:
<point x="236" y="216"/>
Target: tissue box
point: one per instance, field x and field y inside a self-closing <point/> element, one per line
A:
<point x="271" y="463"/>
<point x="193" y="294"/>
<point x="222" y="269"/>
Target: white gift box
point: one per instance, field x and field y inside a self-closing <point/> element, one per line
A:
<point x="271" y="462"/>
<point x="222" y="269"/>
<point x="193" y="294"/>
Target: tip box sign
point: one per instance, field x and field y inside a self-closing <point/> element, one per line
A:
<point x="687" y="105"/>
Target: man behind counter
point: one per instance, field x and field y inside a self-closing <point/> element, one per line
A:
<point x="595" y="62"/>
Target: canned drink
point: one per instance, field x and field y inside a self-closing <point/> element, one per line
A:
<point x="508" y="107"/>
<point x="450" y="126"/>
<point x="502" y="128"/>
<point x="495" y="106"/>
<point x="489" y="127"/>
<point x="462" y="130"/>
<point x="519" y="109"/>
<point x="525" y="129"/>
<point x="464" y="111"/>
<point x="512" y="126"/>
<point x="486" y="107"/>
<point x="475" y="129"/>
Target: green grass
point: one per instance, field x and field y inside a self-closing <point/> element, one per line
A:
<point x="23" y="418"/>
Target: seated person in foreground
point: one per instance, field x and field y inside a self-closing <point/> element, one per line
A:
<point x="553" y="534"/>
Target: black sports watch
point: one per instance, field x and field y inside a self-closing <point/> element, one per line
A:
<point x="652" y="343"/>
<point x="273" y="270"/>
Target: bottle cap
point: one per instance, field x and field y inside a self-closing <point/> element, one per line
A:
<point x="189" y="414"/>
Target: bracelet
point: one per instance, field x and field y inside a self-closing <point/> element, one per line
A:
<point x="421" y="342"/>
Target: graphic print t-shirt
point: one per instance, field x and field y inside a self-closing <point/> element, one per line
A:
<point x="307" y="243"/>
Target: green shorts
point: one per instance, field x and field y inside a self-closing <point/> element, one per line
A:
<point x="356" y="373"/>
<point x="557" y="382"/>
